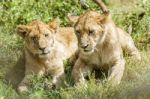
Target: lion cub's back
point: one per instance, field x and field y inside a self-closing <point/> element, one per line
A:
<point x="66" y="35"/>
<point x="124" y="37"/>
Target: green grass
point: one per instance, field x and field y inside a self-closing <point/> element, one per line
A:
<point x="136" y="81"/>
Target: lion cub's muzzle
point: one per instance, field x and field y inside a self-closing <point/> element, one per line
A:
<point x="44" y="47"/>
<point x="86" y="47"/>
<point x="44" y="51"/>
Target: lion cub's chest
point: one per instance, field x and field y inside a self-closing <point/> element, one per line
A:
<point x="53" y="63"/>
<point x="49" y="64"/>
<point x="99" y="60"/>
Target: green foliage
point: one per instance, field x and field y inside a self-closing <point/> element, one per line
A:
<point x="16" y="12"/>
<point x="6" y="92"/>
<point x="136" y="21"/>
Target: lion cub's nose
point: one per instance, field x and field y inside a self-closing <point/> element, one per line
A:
<point x="42" y="48"/>
<point x="84" y="46"/>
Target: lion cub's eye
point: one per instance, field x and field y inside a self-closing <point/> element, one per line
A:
<point x="91" y="32"/>
<point x="46" y="35"/>
<point x="77" y="32"/>
<point x="33" y="39"/>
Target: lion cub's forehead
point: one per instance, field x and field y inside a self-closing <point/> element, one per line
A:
<point x="38" y="27"/>
<point x="87" y="21"/>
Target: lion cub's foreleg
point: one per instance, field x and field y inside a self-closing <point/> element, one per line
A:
<point x="115" y="73"/>
<point x="23" y="86"/>
<point x="58" y="75"/>
<point x="58" y="80"/>
<point x="80" y="70"/>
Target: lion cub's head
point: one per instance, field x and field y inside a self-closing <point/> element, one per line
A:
<point x="38" y="37"/>
<point x="89" y="29"/>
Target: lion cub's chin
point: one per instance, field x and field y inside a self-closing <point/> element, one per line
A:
<point x="44" y="55"/>
<point x="87" y="52"/>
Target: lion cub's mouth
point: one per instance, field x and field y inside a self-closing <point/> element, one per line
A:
<point x="90" y="50"/>
<point x="85" y="50"/>
<point x="45" y="53"/>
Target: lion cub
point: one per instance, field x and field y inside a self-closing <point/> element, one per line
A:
<point x="45" y="48"/>
<point x="100" y="43"/>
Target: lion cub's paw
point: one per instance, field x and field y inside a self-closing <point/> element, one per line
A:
<point x="22" y="89"/>
<point x="81" y="84"/>
<point x="137" y="57"/>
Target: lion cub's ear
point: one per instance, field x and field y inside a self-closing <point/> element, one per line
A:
<point x="104" y="18"/>
<point x="22" y="30"/>
<point x="73" y="19"/>
<point x="54" y="24"/>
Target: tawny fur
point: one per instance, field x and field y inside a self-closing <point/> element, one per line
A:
<point x="101" y="44"/>
<point x="46" y="47"/>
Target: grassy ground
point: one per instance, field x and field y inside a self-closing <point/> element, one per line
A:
<point x="133" y="16"/>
